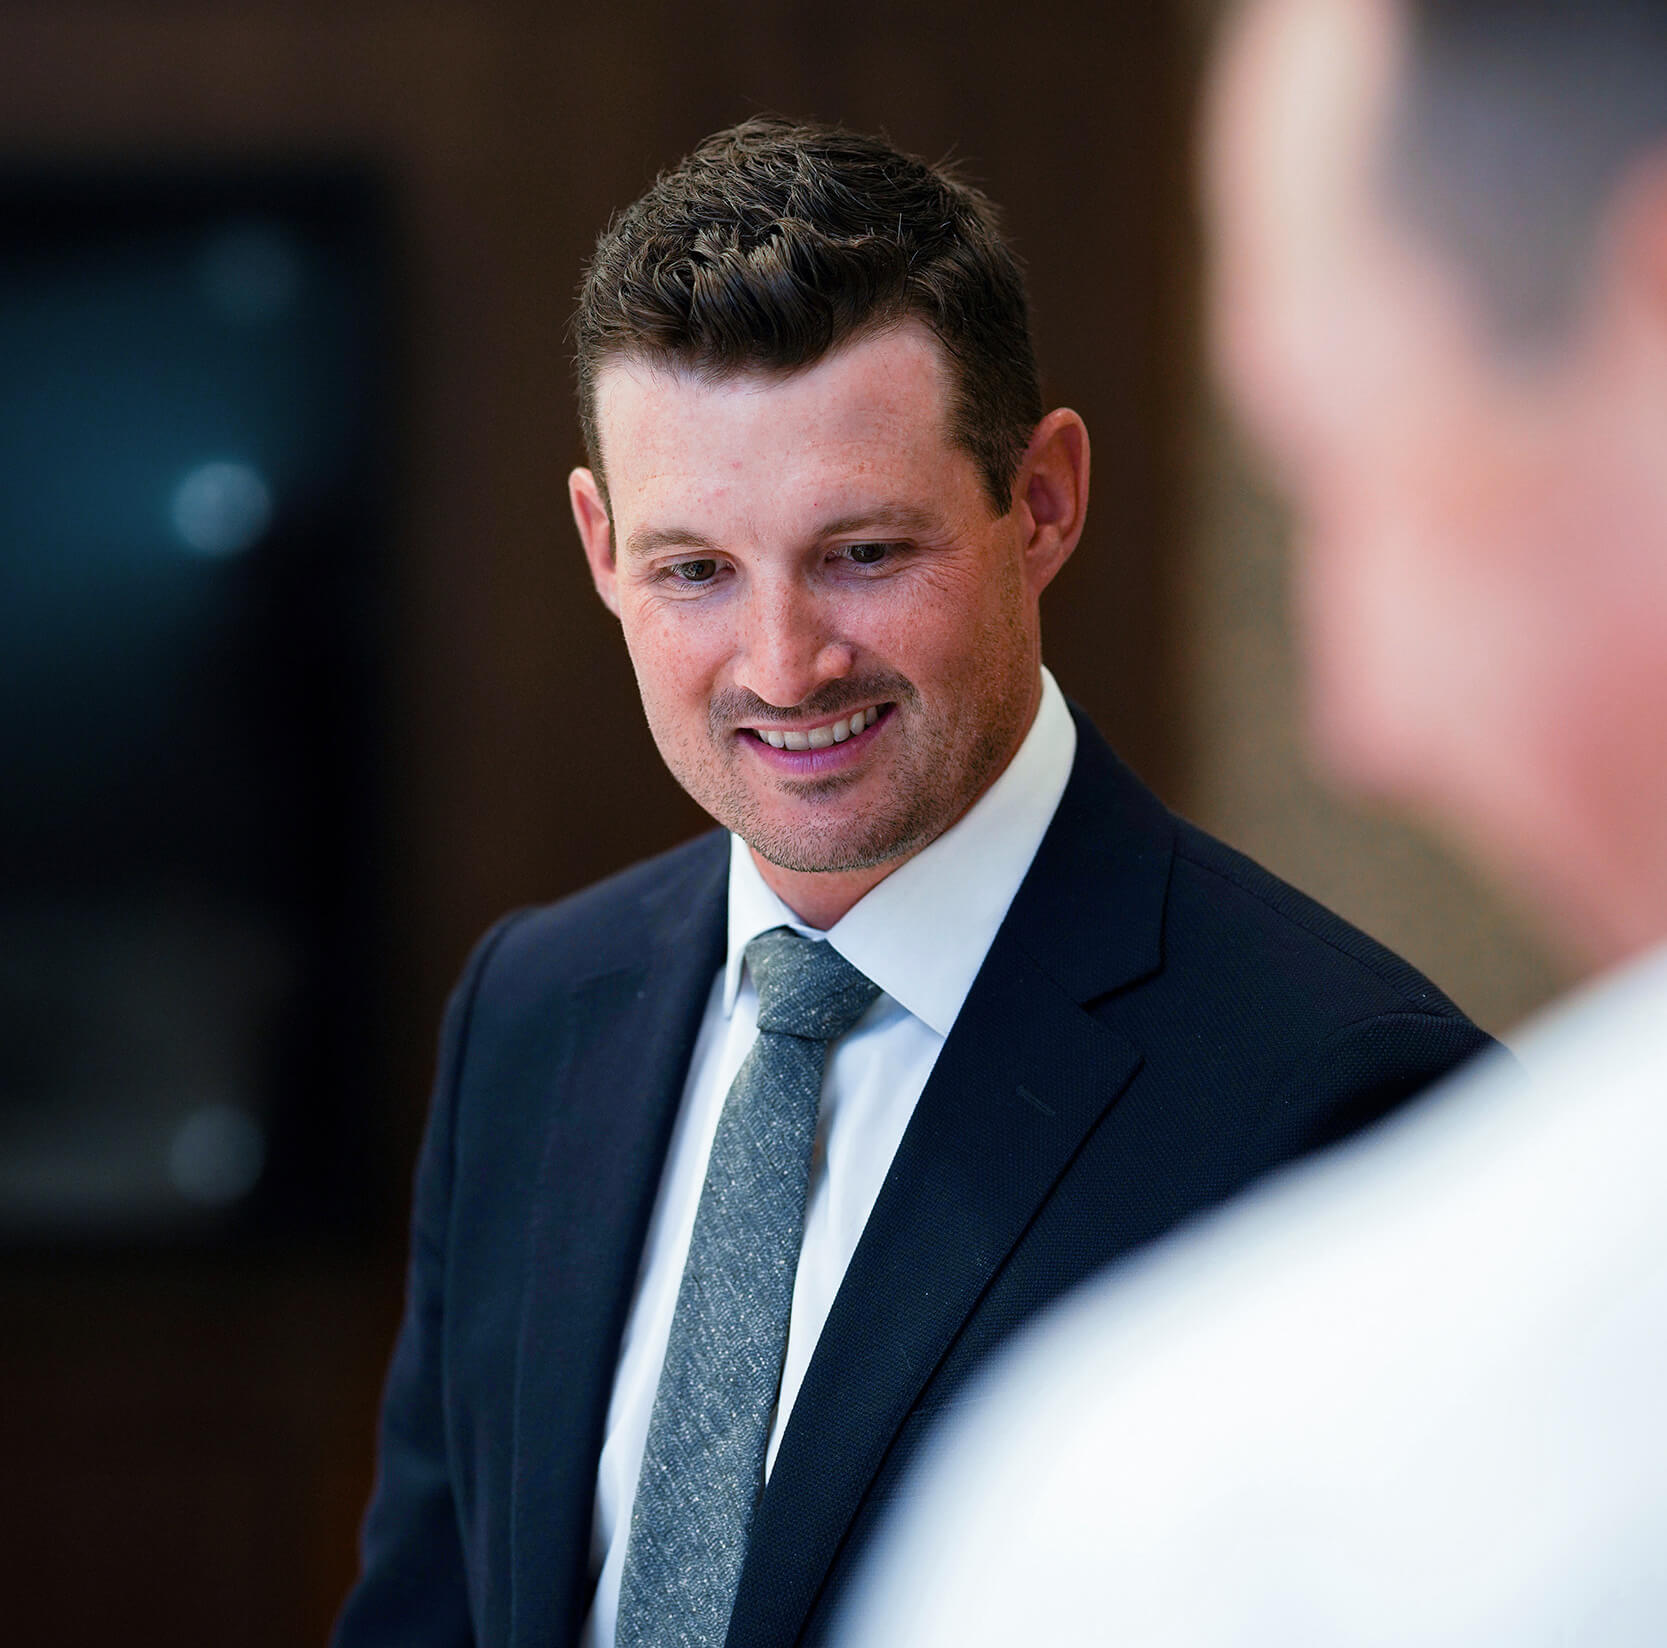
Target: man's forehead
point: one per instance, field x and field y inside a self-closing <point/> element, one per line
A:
<point x="882" y="391"/>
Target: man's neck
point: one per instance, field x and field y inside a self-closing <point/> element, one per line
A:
<point x="820" y="897"/>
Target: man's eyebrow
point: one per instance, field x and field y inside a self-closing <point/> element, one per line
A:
<point x="650" y="540"/>
<point x="882" y="518"/>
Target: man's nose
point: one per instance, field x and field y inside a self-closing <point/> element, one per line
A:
<point x="789" y="646"/>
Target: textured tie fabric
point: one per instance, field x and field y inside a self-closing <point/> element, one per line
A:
<point x="703" y="1465"/>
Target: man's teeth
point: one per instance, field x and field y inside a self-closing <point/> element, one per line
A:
<point x="819" y="738"/>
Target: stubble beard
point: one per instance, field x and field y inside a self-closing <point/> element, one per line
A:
<point x="915" y="812"/>
<point x="882" y="835"/>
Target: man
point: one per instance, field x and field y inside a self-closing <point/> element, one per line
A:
<point x="1414" y="1395"/>
<point x="741" y="1161"/>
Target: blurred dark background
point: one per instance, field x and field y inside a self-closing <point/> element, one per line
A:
<point x="303" y="682"/>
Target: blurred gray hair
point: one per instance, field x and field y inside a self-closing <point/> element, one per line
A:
<point x="1517" y="120"/>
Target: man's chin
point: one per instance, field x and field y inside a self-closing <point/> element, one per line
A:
<point x="825" y="851"/>
<point x="804" y="859"/>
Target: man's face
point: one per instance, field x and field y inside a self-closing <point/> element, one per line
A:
<point x="835" y="639"/>
<point x="1450" y="504"/>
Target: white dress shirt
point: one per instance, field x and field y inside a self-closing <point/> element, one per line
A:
<point x="921" y="935"/>
<point x="1414" y="1392"/>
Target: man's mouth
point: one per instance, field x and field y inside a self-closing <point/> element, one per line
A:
<point x="821" y="737"/>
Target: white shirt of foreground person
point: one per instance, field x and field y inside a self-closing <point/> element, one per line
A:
<point x="921" y="935"/>
<point x="1415" y="1393"/>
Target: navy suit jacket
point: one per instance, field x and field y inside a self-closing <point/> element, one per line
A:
<point x="1158" y="1022"/>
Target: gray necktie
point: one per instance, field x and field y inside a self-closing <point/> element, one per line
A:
<point x="703" y="1466"/>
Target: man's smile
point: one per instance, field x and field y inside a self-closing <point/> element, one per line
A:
<point x="822" y="734"/>
<point x="814" y="751"/>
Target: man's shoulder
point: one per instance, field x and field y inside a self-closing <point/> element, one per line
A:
<point x="1266" y="992"/>
<point x="1248" y="990"/>
<point x="1221" y="893"/>
<point x="1207" y="917"/>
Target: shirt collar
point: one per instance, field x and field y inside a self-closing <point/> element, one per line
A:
<point x="923" y="932"/>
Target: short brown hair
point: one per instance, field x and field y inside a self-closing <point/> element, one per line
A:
<point x="772" y="244"/>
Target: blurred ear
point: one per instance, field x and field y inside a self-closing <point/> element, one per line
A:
<point x="1051" y="494"/>
<point x="1633" y="247"/>
<point x="596" y="534"/>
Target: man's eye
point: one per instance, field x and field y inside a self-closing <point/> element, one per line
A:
<point x="695" y="572"/>
<point x="868" y="554"/>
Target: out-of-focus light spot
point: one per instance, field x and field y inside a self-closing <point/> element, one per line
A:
<point x="251" y="272"/>
<point x="216" y="1155"/>
<point x="221" y="508"/>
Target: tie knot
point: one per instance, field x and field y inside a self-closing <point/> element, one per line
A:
<point x="806" y="987"/>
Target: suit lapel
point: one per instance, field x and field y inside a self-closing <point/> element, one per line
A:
<point x="1022" y="1079"/>
<point x="627" y="1036"/>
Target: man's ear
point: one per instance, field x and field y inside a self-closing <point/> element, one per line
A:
<point x="596" y="533"/>
<point x="1051" y="494"/>
<point x="1637" y="234"/>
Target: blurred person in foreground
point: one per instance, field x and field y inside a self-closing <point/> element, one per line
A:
<point x="1417" y="1392"/>
<point x="741" y="1161"/>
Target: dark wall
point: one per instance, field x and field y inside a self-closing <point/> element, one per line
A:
<point x="188" y="1437"/>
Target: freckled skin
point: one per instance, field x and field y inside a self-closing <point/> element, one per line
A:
<point x="784" y="549"/>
